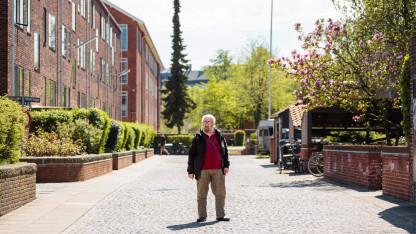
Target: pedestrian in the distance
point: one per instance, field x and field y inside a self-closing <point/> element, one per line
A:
<point x="208" y="163"/>
<point x="162" y="145"/>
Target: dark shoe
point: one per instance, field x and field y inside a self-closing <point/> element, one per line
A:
<point x="201" y="219"/>
<point x="223" y="219"/>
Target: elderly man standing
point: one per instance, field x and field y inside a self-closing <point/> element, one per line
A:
<point x="208" y="163"/>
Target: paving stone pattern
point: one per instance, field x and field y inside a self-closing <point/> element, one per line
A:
<point x="259" y="200"/>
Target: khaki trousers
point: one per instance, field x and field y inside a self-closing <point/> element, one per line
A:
<point x="217" y="180"/>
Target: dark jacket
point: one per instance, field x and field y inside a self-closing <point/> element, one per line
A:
<point x="197" y="153"/>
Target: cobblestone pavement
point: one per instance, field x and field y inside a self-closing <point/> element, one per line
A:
<point x="259" y="200"/>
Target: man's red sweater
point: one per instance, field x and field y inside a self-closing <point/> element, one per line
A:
<point x="212" y="156"/>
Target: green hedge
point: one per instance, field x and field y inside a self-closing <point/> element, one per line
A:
<point x="113" y="137"/>
<point x="12" y="129"/>
<point x="185" y="139"/>
<point x="239" y="137"/>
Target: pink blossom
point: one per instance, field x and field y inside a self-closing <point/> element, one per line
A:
<point x="399" y="57"/>
<point x="297" y="26"/>
<point x="361" y="43"/>
<point x="369" y="42"/>
<point x="376" y="36"/>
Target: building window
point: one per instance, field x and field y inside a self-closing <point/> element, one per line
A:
<point x="102" y="70"/>
<point x="97" y="86"/>
<point x="103" y="27"/>
<point x="36" y="46"/>
<point x="78" y="51"/>
<point x="44" y="26"/>
<point x="93" y="16"/>
<point x="123" y="37"/>
<point x="69" y="44"/>
<point x="28" y="16"/>
<point x="124" y="67"/>
<point x="29" y="81"/>
<point x="44" y="91"/>
<point x="63" y="96"/>
<point x="82" y="55"/>
<point x="96" y="40"/>
<point x="69" y="97"/>
<point x="64" y="41"/>
<point x="73" y="16"/>
<point x="74" y="74"/>
<point x="124" y="104"/>
<point x="91" y="61"/>
<point x="83" y="8"/>
<point x="18" y="80"/>
<point x="83" y="100"/>
<point x="52" y="93"/>
<point x="52" y="31"/>
<point x="79" y="100"/>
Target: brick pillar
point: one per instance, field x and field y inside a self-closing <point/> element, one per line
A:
<point x="412" y="53"/>
<point x="272" y="151"/>
<point x="306" y="149"/>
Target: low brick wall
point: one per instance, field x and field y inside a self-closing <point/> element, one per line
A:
<point x="397" y="173"/>
<point x="305" y="153"/>
<point x="71" y="168"/>
<point x="138" y="155"/>
<point x="354" y="165"/>
<point x="149" y="153"/>
<point x="17" y="186"/>
<point x="122" y="159"/>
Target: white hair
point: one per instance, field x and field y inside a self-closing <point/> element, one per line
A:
<point x="208" y="116"/>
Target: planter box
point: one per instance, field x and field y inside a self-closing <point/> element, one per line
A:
<point x="138" y="155"/>
<point x="122" y="159"/>
<point x="150" y="153"/>
<point x="71" y="168"/>
<point x="17" y="186"/>
<point x="354" y="165"/>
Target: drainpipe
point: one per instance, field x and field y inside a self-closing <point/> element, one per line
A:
<point x="13" y="11"/>
<point x="141" y="79"/>
<point x="60" y="53"/>
<point x="108" y="56"/>
<point x="90" y="53"/>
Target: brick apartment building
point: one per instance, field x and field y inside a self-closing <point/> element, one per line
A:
<point x="140" y="87"/>
<point x="40" y="54"/>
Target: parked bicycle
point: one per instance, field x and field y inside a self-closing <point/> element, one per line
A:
<point x="291" y="158"/>
<point x="316" y="164"/>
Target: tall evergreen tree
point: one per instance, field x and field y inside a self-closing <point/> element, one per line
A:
<point x="176" y="100"/>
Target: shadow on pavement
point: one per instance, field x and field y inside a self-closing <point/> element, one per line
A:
<point x="190" y="225"/>
<point x="407" y="214"/>
<point x="302" y="183"/>
<point x="268" y="165"/>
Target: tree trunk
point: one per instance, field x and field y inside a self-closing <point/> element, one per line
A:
<point x="179" y="129"/>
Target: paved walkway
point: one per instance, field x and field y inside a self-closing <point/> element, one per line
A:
<point x="156" y="196"/>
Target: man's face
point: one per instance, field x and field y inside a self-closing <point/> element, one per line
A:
<point x="208" y="124"/>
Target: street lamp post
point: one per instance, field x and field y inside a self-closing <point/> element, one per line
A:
<point x="132" y="91"/>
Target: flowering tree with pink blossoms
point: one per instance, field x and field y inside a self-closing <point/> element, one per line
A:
<point x="359" y="75"/>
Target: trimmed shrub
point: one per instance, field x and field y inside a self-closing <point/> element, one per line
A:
<point x="138" y="135"/>
<point x="89" y="135"/>
<point x="130" y="139"/>
<point x="185" y="139"/>
<point x="149" y="135"/>
<point x="113" y="137"/>
<point x="239" y="137"/>
<point x="126" y="136"/>
<point x="43" y="143"/>
<point x="12" y="129"/>
<point x="47" y="119"/>
<point x="123" y="134"/>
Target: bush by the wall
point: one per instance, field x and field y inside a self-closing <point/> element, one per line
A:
<point x="123" y="134"/>
<point x="138" y="134"/>
<point x="113" y="137"/>
<point x="48" y="119"/>
<point x="149" y="134"/>
<point x="126" y="136"/>
<point x="239" y="137"/>
<point x="11" y="130"/>
<point x="89" y="135"/>
<point x="130" y="139"/>
<point x="253" y="140"/>
<point x="43" y="143"/>
<point x="185" y="139"/>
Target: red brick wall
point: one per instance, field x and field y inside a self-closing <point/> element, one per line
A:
<point x="273" y="155"/>
<point x="138" y="155"/>
<point x="17" y="186"/>
<point x="122" y="160"/>
<point x="355" y="165"/>
<point x="150" y="153"/>
<point x="305" y="153"/>
<point x="70" y="169"/>
<point x="50" y="58"/>
<point x="397" y="176"/>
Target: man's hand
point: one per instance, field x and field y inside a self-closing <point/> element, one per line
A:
<point x="226" y="171"/>
<point x="191" y="176"/>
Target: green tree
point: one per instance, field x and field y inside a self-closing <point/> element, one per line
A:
<point x="176" y="100"/>
<point x="220" y="65"/>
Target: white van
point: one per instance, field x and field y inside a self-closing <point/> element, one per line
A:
<point x="265" y="131"/>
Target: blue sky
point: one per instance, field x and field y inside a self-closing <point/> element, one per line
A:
<point x="227" y="24"/>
